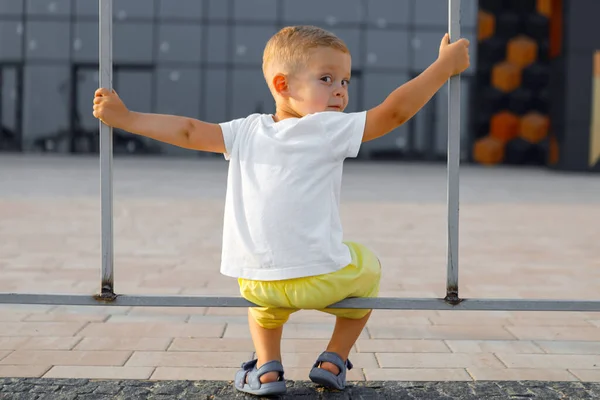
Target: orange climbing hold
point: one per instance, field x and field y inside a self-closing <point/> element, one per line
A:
<point x="553" y="151"/>
<point x="506" y="76"/>
<point x="522" y="51"/>
<point x="504" y="126"/>
<point x="487" y="25"/>
<point x="534" y="127"/>
<point x="544" y="7"/>
<point x="488" y="151"/>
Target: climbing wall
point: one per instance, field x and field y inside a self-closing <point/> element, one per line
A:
<point x="512" y="124"/>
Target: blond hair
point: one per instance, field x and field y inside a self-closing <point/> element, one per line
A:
<point x="289" y="48"/>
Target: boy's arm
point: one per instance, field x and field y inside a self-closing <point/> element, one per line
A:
<point x="184" y="132"/>
<point x="404" y="102"/>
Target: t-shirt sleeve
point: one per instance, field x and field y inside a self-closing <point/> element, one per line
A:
<point x="232" y="131"/>
<point x="344" y="132"/>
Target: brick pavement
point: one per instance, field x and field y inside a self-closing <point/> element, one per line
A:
<point x="524" y="234"/>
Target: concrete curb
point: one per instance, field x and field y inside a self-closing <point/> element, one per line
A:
<point x="88" y="389"/>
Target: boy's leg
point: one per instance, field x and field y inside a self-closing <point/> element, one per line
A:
<point x="364" y="278"/>
<point x="345" y="334"/>
<point x="267" y="344"/>
<point x="266" y="321"/>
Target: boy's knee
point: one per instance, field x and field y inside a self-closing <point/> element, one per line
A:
<point x="269" y="318"/>
<point x="270" y="324"/>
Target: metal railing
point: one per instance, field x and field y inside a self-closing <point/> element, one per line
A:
<point x="452" y="301"/>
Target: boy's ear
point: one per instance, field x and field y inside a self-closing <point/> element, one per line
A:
<point x="280" y="83"/>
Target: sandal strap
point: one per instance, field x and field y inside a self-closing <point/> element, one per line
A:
<point x="240" y="376"/>
<point x="271" y="366"/>
<point x="253" y="374"/>
<point x="335" y="359"/>
<point x="249" y="365"/>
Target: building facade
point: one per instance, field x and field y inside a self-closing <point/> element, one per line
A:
<point x="202" y="59"/>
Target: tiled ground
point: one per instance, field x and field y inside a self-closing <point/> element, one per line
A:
<point x="524" y="234"/>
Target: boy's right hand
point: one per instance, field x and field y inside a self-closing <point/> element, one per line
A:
<point x="455" y="55"/>
<point x="110" y="109"/>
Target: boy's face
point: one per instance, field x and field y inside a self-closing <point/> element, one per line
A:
<point x="323" y="84"/>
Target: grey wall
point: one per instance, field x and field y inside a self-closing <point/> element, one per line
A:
<point x="572" y="96"/>
<point x="201" y="58"/>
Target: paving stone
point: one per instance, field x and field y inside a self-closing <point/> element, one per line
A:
<point x="519" y="231"/>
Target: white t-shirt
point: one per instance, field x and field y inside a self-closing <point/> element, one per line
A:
<point x="281" y="216"/>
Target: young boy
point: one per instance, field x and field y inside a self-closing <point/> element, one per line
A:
<point x="282" y="234"/>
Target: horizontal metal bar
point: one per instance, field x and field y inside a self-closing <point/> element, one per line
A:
<point x="380" y="303"/>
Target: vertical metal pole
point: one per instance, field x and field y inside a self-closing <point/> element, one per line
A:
<point x="106" y="149"/>
<point x="453" y="160"/>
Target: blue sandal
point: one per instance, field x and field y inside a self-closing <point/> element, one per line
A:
<point x="253" y="384"/>
<point x="325" y="378"/>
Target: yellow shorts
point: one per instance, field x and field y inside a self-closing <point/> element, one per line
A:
<point x="279" y="299"/>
